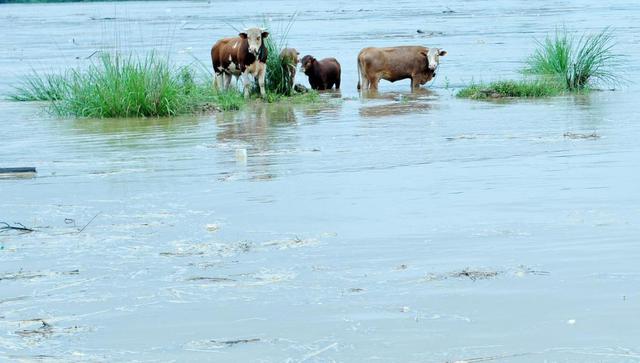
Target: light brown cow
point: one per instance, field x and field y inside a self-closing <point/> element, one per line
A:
<point x="241" y="56"/>
<point x="290" y="55"/>
<point x="396" y="63"/>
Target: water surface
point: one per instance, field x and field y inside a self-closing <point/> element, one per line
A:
<point x="404" y="227"/>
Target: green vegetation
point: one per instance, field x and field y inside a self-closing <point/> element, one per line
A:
<point x="40" y="87"/>
<point x="521" y="88"/>
<point x="278" y="79"/>
<point x="560" y="64"/>
<point x="117" y="86"/>
<point x="577" y="62"/>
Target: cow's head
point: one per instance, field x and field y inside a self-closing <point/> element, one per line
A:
<point x="255" y="37"/>
<point x="306" y="64"/>
<point x="433" y="57"/>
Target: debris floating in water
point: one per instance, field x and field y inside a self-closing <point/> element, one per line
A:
<point x="213" y="227"/>
<point x="241" y="156"/>
<point x="26" y="172"/>
<point x="571" y="135"/>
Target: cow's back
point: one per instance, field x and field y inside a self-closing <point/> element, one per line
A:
<point x="224" y="52"/>
<point x="393" y="63"/>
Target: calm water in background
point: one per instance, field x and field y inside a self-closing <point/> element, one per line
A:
<point x="344" y="235"/>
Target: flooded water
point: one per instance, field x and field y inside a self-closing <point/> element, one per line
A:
<point x="407" y="227"/>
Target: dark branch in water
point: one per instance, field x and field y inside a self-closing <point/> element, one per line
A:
<point x="16" y="227"/>
<point x="86" y="225"/>
<point x="231" y="343"/>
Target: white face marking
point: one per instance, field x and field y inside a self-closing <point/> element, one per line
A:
<point x="230" y="59"/>
<point x="433" y="58"/>
<point x="254" y="36"/>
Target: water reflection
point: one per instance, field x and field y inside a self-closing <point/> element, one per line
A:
<point x="261" y="129"/>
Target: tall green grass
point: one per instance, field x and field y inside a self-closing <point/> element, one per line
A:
<point x="561" y="63"/>
<point x="577" y="62"/>
<point x="40" y="87"/>
<point x="126" y="86"/>
<point x="278" y="78"/>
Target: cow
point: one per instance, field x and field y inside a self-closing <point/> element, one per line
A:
<point x="323" y="74"/>
<point x="395" y="63"/>
<point x="290" y="56"/>
<point x="243" y="55"/>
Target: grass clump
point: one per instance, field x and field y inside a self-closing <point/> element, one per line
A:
<point x="501" y="89"/>
<point x="126" y="86"/>
<point x="577" y="62"/>
<point x="118" y="86"/>
<point x="229" y="100"/>
<point x="278" y="78"/>
<point x="562" y="63"/>
<point x="295" y="98"/>
<point x="40" y="87"/>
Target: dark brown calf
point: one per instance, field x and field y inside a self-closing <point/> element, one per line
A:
<point x="323" y="74"/>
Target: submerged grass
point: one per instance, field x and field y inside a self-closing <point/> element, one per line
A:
<point x="508" y="88"/>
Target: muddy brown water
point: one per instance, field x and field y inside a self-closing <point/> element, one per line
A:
<point x="407" y="227"/>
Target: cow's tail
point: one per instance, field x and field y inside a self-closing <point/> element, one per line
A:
<point x="359" y="72"/>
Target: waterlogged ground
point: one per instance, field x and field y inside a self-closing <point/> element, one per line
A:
<point x="408" y="228"/>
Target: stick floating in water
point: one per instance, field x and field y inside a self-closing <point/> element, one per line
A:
<point x="27" y="172"/>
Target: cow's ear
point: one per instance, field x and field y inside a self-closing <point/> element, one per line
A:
<point x="265" y="34"/>
<point x="423" y="53"/>
<point x="243" y="35"/>
<point x="442" y="52"/>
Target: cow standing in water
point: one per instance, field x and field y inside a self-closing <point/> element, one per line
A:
<point x="323" y="74"/>
<point x="244" y="55"/>
<point x="396" y="63"/>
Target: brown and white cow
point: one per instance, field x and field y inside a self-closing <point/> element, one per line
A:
<point x="290" y="56"/>
<point x="396" y="63"/>
<point x="243" y="55"/>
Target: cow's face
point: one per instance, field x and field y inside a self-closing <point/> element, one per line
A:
<point x="433" y="57"/>
<point x="255" y="37"/>
<point x="307" y="63"/>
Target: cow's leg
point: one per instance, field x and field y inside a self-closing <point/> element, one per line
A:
<point x="227" y="80"/>
<point x="246" y="81"/>
<point x="338" y="82"/>
<point x="365" y="82"/>
<point x="262" y="72"/>
<point x="217" y="81"/>
<point x="373" y="83"/>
